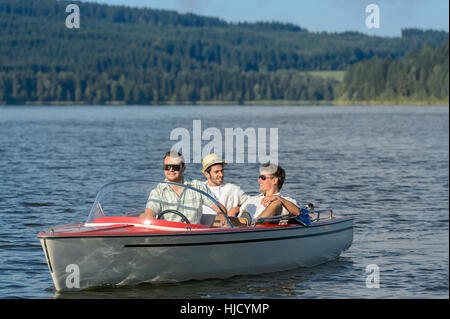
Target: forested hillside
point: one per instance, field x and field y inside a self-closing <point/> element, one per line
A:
<point x="420" y="76"/>
<point x="144" y="56"/>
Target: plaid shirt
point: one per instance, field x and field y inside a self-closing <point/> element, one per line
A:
<point x="189" y="203"/>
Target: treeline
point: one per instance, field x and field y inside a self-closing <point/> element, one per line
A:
<point x="132" y="55"/>
<point x="52" y="9"/>
<point x="419" y="76"/>
<point x="156" y="88"/>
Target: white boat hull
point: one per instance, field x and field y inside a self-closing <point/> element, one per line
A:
<point x="81" y="262"/>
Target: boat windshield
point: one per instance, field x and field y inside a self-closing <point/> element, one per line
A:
<point x="166" y="200"/>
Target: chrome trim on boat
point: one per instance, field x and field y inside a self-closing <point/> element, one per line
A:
<point x="47" y="256"/>
<point x="238" y="241"/>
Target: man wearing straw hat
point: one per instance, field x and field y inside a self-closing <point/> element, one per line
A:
<point x="229" y="195"/>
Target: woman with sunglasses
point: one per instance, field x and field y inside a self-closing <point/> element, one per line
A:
<point x="270" y="202"/>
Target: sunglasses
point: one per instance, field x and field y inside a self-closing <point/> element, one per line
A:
<point x="175" y="167"/>
<point x="264" y="177"/>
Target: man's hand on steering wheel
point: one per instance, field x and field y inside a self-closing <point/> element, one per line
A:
<point x="173" y="211"/>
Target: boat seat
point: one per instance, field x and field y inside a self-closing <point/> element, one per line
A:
<point x="207" y="219"/>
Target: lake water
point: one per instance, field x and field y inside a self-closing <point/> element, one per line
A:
<point x="387" y="166"/>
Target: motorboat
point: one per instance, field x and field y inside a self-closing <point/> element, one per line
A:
<point x="118" y="245"/>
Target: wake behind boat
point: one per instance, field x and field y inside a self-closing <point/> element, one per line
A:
<point x="117" y="246"/>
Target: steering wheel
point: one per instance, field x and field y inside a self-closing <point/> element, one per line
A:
<point x="183" y="218"/>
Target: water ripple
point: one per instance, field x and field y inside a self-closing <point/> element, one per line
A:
<point x="388" y="169"/>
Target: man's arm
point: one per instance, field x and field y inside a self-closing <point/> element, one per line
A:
<point x="216" y="208"/>
<point x="234" y="211"/>
<point x="208" y="201"/>
<point x="220" y="218"/>
<point x="290" y="206"/>
<point x="153" y="204"/>
<point x="243" y="197"/>
<point x="149" y="213"/>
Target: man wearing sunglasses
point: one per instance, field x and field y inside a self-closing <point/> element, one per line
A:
<point x="270" y="202"/>
<point x="173" y="197"/>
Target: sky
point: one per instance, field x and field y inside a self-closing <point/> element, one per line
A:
<point x="316" y="16"/>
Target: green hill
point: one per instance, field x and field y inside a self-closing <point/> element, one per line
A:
<point x="144" y="56"/>
<point x="421" y="76"/>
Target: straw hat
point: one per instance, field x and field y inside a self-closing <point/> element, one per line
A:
<point x="211" y="160"/>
